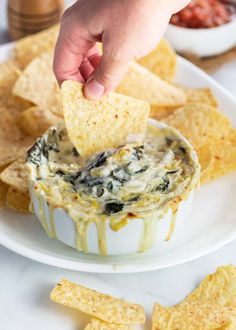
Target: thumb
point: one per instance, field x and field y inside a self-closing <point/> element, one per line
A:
<point x="106" y="75"/>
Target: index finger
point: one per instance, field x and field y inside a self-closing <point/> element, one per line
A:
<point x="68" y="55"/>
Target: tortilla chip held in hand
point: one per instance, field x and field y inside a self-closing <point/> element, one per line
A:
<point x="109" y="122"/>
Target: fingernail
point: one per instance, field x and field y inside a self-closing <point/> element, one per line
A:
<point x="93" y="90"/>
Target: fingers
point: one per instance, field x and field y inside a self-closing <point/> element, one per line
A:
<point x="66" y="63"/>
<point x="70" y="55"/>
<point x="108" y="72"/>
<point x="89" y="63"/>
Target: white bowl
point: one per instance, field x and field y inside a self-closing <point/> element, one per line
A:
<point x="125" y="241"/>
<point x="202" y="42"/>
<point x="58" y="224"/>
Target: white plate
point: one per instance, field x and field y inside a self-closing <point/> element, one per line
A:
<point x="212" y="225"/>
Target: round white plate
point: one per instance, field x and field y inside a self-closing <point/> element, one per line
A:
<point x="211" y="226"/>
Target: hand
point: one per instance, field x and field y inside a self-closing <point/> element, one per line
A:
<point x="128" y="29"/>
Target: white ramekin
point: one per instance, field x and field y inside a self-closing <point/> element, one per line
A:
<point x="125" y="241"/>
<point x="202" y="42"/>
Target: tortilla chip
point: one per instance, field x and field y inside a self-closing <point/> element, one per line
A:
<point x="109" y="122"/>
<point x="13" y="143"/>
<point x="99" y="305"/>
<point x="38" y="84"/>
<point x="194" y="95"/>
<point x="161" y="61"/>
<point x="17" y="200"/>
<point x="26" y="49"/>
<point x="96" y="324"/>
<point x="201" y="95"/>
<point x="198" y="315"/>
<point x="159" y="113"/>
<point x="219" y="288"/>
<point x="144" y="85"/>
<point x="205" y="158"/>
<point x="9" y="73"/>
<point x="223" y="157"/>
<point x="199" y="123"/>
<point x="35" y="120"/>
<point x="16" y="175"/>
<point x="3" y="193"/>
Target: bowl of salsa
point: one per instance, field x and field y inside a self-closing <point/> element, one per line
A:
<point x="204" y="28"/>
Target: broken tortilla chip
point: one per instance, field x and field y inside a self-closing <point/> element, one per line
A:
<point x="38" y="84"/>
<point x="121" y="118"/>
<point x="96" y="324"/>
<point x="161" y="61"/>
<point x="141" y="84"/>
<point x="26" y="49"/>
<point x="17" y="200"/>
<point x="99" y="305"/>
<point x="198" y="315"/>
<point x="16" y="175"/>
<point x="35" y="120"/>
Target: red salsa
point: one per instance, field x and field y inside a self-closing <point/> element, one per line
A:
<point x="204" y="14"/>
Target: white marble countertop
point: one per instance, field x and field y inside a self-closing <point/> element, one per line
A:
<point x="25" y="284"/>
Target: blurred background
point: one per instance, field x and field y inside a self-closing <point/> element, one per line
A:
<point x="4" y="33"/>
<point x="204" y="32"/>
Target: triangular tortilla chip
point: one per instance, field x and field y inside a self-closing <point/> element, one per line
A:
<point x="13" y="143"/>
<point x="38" y="84"/>
<point x="35" y="120"/>
<point x="219" y="288"/>
<point x="26" y="49"/>
<point x="161" y="61"/>
<point x="16" y="175"/>
<point x="9" y="73"/>
<point x="223" y="153"/>
<point x="195" y="316"/>
<point x="199" y="123"/>
<point x="142" y="84"/>
<point x="17" y="200"/>
<point x="110" y="122"/>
